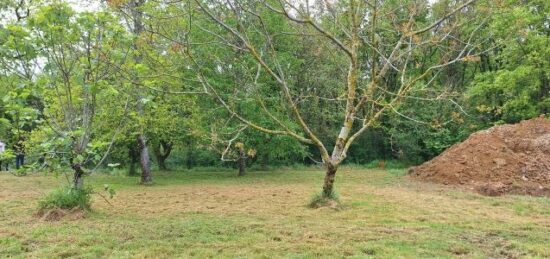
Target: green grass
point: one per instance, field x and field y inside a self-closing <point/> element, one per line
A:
<point x="66" y="197"/>
<point x="265" y="214"/>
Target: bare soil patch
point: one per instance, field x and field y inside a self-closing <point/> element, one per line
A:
<point x="512" y="158"/>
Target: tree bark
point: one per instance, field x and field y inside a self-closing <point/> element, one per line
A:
<point x="162" y="151"/>
<point x="242" y="162"/>
<point x="146" y="176"/>
<point x="264" y="162"/>
<point x="161" y="160"/>
<point x="328" y="186"/>
<point x="134" y="158"/>
<point x="137" y="15"/>
<point x="132" y="169"/>
<point x="190" y="159"/>
<point x="78" y="180"/>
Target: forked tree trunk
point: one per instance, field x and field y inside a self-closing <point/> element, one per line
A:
<point x="146" y="176"/>
<point x="328" y="186"/>
<point x="162" y="151"/>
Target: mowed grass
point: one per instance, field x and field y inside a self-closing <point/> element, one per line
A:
<point x="264" y="215"/>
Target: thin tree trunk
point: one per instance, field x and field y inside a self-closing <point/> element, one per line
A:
<point x="190" y="159"/>
<point x="242" y="162"/>
<point x="146" y="176"/>
<point x="264" y="162"/>
<point x="328" y="186"/>
<point x="134" y="158"/>
<point x="78" y="180"/>
<point x="161" y="160"/>
<point x="132" y="170"/>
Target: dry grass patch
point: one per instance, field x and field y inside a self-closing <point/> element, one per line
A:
<point x="264" y="214"/>
<point x="57" y="214"/>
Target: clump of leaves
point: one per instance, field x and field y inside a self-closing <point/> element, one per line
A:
<point x="321" y="200"/>
<point x="67" y="198"/>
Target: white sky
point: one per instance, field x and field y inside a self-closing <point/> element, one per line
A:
<point x="85" y="5"/>
<point x="92" y="5"/>
<point x="88" y="5"/>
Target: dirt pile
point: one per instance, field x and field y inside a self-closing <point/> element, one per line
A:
<point x="502" y="159"/>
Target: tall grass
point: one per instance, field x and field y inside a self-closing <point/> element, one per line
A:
<point x="66" y="198"/>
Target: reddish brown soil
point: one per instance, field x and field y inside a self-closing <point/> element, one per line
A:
<point x="503" y="159"/>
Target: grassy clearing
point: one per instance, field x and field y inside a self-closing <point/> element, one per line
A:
<point x="264" y="214"/>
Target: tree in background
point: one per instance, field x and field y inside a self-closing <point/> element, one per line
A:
<point x="171" y="122"/>
<point x="505" y="83"/>
<point x="131" y="12"/>
<point x="20" y="105"/>
<point x="513" y="81"/>
<point x="350" y="80"/>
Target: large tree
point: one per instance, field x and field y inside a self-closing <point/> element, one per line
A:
<point x="132" y="13"/>
<point x="379" y="64"/>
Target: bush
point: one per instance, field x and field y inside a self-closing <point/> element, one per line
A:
<point x="66" y="198"/>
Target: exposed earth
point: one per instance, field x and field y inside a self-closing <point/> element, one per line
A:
<point x="503" y="159"/>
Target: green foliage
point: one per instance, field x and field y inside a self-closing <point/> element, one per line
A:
<point x="509" y="95"/>
<point x="514" y="83"/>
<point x="434" y="128"/>
<point x="388" y="164"/>
<point x="72" y="81"/>
<point x="67" y="198"/>
<point x="7" y="155"/>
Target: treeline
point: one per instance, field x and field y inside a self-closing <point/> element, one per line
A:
<point x="271" y="82"/>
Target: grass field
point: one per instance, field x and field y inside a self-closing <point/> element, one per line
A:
<point x="264" y="215"/>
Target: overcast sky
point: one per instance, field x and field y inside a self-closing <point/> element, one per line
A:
<point x="85" y="5"/>
<point x="92" y="5"/>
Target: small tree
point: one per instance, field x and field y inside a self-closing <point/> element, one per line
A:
<point x="78" y="53"/>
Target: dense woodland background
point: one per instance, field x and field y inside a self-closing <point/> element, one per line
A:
<point x="79" y="87"/>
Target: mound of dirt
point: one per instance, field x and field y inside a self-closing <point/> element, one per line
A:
<point x="502" y="159"/>
<point x="58" y="214"/>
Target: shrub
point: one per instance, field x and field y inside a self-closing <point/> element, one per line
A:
<point x="66" y="198"/>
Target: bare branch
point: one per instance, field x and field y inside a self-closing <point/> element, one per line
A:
<point x="442" y="19"/>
